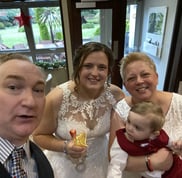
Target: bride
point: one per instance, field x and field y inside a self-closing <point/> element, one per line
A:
<point x="83" y="104"/>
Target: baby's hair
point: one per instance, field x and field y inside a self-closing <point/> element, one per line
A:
<point x="151" y="111"/>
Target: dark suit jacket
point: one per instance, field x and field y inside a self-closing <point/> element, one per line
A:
<point x="43" y="165"/>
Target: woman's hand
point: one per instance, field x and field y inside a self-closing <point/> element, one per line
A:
<point x="177" y="147"/>
<point x="75" y="151"/>
<point x="162" y="160"/>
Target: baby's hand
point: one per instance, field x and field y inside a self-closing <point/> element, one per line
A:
<point x="177" y="147"/>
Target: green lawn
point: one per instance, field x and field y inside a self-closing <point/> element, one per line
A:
<point x="89" y="33"/>
<point x="10" y="36"/>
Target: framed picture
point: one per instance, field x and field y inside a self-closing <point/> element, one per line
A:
<point x="155" y="30"/>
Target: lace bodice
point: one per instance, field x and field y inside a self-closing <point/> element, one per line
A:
<point x="92" y="117"/>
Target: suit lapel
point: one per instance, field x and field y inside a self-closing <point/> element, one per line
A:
<point x="43" y="166"/>
<point x="3" y="172"/>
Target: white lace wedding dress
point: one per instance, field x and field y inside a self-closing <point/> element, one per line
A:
<point x="91" y="117"/>
<point x="172" y="125"/>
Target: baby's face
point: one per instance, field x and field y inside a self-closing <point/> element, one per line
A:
<point x="138" y="127"/>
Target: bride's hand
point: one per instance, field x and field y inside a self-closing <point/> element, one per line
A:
<point x="75" y="151"/>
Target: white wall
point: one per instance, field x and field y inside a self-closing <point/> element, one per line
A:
<point x="162" y="62"/>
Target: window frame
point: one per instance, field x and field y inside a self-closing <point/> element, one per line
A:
<point x="32" y="51"/>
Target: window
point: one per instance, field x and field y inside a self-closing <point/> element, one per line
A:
<point x="133" y="26"/>
<point x="33" y="28"/>
<point x="130" y="28"/>
<point x="96" y="25"/>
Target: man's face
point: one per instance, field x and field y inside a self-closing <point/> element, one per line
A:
<point x="22" y="99"/>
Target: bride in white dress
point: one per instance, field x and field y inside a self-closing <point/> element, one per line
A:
<point x="83" y="104"/>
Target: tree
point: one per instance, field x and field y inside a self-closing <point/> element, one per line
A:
<point x="44" y="33"/>
<point x="51" y="17"/>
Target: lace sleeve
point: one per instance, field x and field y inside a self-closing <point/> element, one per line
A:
<point x="122" y="108"/>
<point x="173" y="122"/>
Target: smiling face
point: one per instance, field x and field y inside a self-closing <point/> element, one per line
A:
<point x="140" y="80"/>
<point x="91" y="50"/>
<point x="22" y="99"/>
<point x="94" y="72"/>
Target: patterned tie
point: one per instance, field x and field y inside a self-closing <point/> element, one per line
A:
<point x="17" y="171"/>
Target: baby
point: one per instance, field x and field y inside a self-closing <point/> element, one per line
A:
<point x="143" y="135"/>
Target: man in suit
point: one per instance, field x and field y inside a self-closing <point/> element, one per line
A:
<point x="22" y="101"/>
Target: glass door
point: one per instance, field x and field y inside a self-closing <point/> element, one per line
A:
<point x="96" y="25"/>
<point x="96" y="20"/>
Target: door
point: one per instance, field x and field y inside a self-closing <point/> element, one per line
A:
<point x="97" y="20"/>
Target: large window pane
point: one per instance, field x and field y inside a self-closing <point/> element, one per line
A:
<point x="47" y="27"/>
<point x="130" y="28"/>
<point x="38" y="36"/>
<point x="12" y="37"/>
<point x="96" y="25"/>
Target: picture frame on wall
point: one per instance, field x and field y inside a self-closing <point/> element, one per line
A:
<point x="155" y="30"/>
